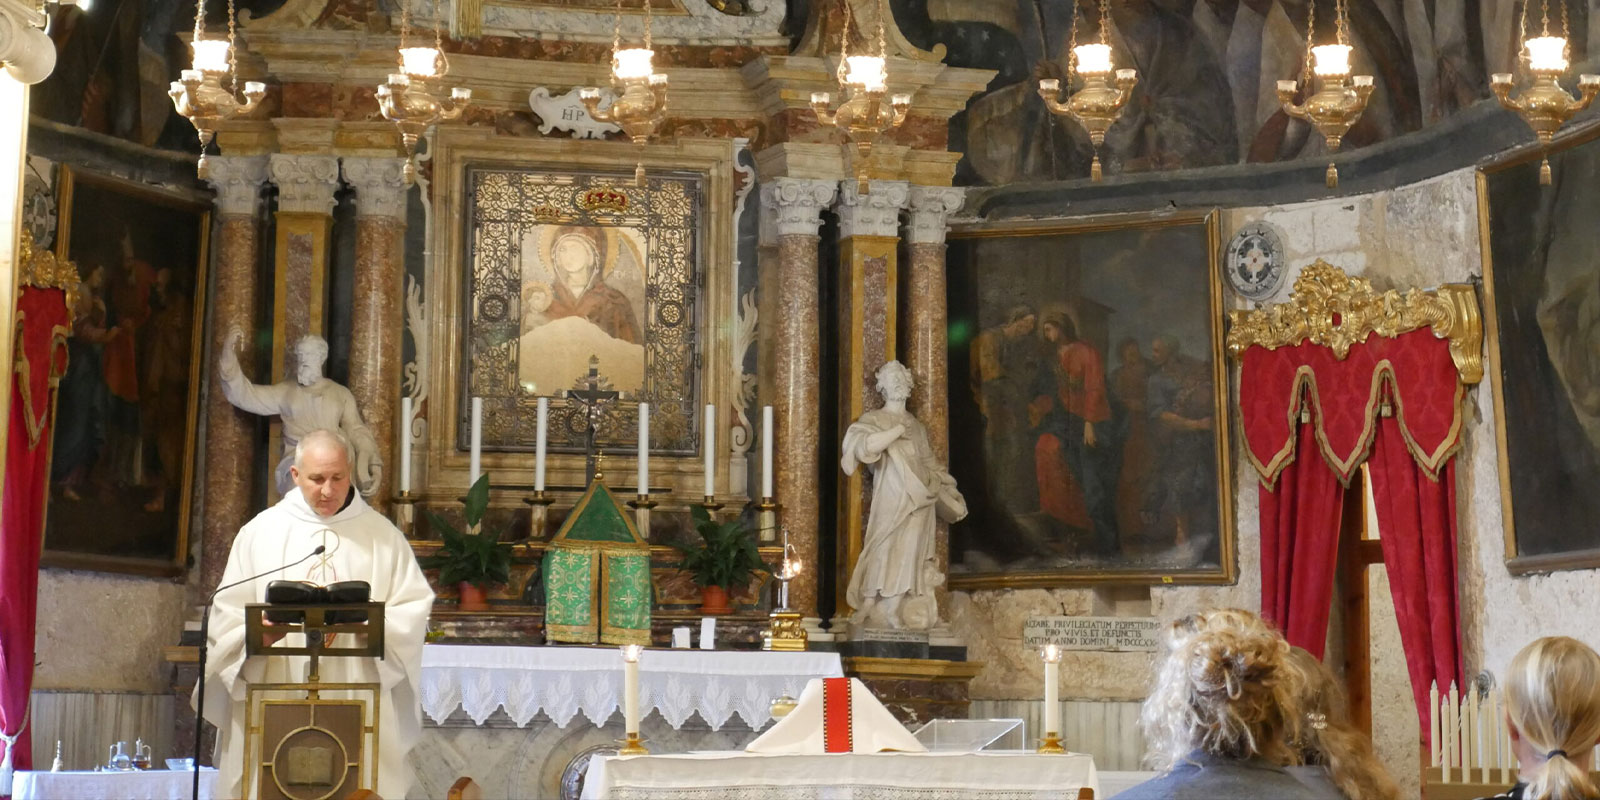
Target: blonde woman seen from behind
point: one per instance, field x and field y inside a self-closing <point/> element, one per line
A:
<point x="1553" y="711"/>
<point x="1219" y="716"/>
<point x="1329" y="748"/>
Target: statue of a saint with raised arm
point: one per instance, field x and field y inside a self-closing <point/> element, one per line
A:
<point x="893" y="582"/>
<point x="307" y="403"/>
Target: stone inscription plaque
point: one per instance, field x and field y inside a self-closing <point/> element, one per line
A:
<point x="1114" y="634"/>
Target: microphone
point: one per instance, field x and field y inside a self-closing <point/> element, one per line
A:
<point x="205" y="625"/>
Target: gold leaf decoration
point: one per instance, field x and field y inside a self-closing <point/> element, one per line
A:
<point x="41" y="269"/>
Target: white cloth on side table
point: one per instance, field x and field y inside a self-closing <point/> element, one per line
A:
<point x="841" y="776"/>
<point x="158" y="784"/>
<point x="561" y="681"/>
<point x="872" y="728"/>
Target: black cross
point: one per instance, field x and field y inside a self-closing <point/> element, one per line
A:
<point x="593" y="401"/>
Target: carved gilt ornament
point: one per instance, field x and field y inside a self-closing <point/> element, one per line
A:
<point x="1337" y="311"/>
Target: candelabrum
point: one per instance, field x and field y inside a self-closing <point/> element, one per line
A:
<point x="406" y="101"/>
<point x="1099" y="103"/>
<point x="863" y="117"/>
<point x="1051" y="741"/>
<point x="199" y="97"/>
<point x="641" y="102"/>
<point x="785" y="631"/>
<point x="1543" y="104"/>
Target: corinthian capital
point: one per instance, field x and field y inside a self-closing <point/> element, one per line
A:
<point x="931" y="207"/>
<point x="794" y="205"/>
<point x="380" y="185"/>
<point x="305" y="183"/>
<point x="237" y="181"/>
<point x="873" y="214"/>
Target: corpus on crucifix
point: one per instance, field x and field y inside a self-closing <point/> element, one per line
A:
<point x="592" y="400"/>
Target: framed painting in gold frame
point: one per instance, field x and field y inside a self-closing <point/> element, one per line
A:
<point x="1541" y="276"/>
<point x="121" y="466"/>
<point x="1089" y="403"/>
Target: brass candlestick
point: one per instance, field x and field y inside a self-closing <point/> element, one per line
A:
<point x="1051" y="744"/>
<point x="711" y="505"/>
<point x="641" y="506"/>
<point x="767" y="519"/>
<point x="539" y="511"/>
<point x="632" y="746"/>
<point x="405" y="512"/>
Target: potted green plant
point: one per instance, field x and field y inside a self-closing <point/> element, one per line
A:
<point x="723" y="560"/>
<point x="473" y="560"/>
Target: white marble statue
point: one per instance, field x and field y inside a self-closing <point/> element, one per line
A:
<point x="308" y="403"/>
<point x="893" y="581"/>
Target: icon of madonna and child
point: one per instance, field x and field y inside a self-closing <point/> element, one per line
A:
<point x="583" y="294"/>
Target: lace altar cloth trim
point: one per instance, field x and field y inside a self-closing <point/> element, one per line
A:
<point x="562" y="681"/>
<point x="853" y="776"/>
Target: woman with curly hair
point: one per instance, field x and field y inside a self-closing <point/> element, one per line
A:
<point x="1221" y="714"/>
<point x="1330" y="751"/>
<point x="1553" y="710"/>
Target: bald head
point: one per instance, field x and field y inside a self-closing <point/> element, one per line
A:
<point x="321" y="470"/>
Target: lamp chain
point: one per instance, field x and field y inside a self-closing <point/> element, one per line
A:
<point x="1564" y="34"/>
<point x="1341" y="15"/>
<point x="405" y="33"/>
<point x="233" y="55"/>
<point x="199" y="19"/>
<point x="883" y="49"/>
<point x="616" y="31"/>
<point x="844" y="41"/>
<point x="1311" y="40"/>
<point x="648" y="16"/>
<point x="1072" y="49"/>
<point x="1544" y="11"/>
<point x="438" y="39"/>
<point x="1105" y="22"/>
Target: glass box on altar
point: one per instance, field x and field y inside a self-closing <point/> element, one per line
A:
<point x="972" y="735"/>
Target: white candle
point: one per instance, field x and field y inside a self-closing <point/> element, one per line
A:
<point x="1093" y="59"/>
<point x="538" y="444"/>
<point x="644" y="448"/>
<point x="476" y="457"/>
<point x="766" y="451"/>
<point x="1052" y="678"/>
<point x="711" y="450"/>
<point x="405" y="444"/>
<point x="630" y="687"/>
<point x="1331" y="59"/>
<point x="1435" y="747"/>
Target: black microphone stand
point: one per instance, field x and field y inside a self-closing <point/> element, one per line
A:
<point x="205" y="626"/>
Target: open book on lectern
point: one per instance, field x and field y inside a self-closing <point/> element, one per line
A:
<point x="306" y="593"/>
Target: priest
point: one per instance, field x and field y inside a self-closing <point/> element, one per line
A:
<point x="361" y="544"/>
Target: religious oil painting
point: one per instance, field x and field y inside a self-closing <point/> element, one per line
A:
<point x="123" y="446"/>
<point x="1088" y="414"/>
<point x="1541" y="271"/>
<point x="572" y="269"/>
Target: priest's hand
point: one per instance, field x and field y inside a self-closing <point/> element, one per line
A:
<point x="270" y="638"/>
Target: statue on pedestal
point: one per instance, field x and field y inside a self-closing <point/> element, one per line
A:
<point x="308" y="403"/>
<point x="893" y="581"/>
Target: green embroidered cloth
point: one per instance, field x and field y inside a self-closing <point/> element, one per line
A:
<point x="597" y="575"/>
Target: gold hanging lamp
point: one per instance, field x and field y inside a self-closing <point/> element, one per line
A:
<point x="198" y="94"/>
<point x="405" y="98"/>
<point x="863" y="117"/>
<point x="640" y="106"/>
<point x="1098" y="105"/>
<point x="1543" y="104"/>
<point x="1340" y="97"/>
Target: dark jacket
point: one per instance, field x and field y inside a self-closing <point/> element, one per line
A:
<point x="1201" y="776"/>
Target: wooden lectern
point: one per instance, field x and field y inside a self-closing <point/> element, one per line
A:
<point x="306" y="746"/>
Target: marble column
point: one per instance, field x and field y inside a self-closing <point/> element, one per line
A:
<point x="378" y="315"/>
<point x="304" y="227"/>
<point x="230" y="447"/>
<point x="927" y="353"/>
<point x="868" y="289"/>
<point x="790" y="213"/>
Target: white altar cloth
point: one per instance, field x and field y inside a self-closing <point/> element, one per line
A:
<point x="561" y="681"/>
<point x="840" y="776"/>
<point x="156" y="784"/>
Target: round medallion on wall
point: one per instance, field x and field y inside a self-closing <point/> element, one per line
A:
<point x="39" y="211"/>
<point x="1254" y="261"/>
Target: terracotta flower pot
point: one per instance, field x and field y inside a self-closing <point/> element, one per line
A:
<point x="714" y="600"/>
<point x="473" y="597"/>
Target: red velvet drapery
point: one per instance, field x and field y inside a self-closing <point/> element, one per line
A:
<point x="40" y="361"/>
<point x="1394" y="402"/>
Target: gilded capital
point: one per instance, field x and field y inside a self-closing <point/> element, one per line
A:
<point x="380" y="184"/>
<point x="794" y="205"/>
<point x="306" y="183"/>
<point x="237" y="181"/>
<point x="873" y="214"/>
<point x="931" y="207"/>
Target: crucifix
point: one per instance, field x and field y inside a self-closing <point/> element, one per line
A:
<point x="592" y="400"/>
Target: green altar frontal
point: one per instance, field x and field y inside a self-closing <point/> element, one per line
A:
<point x="597" y="575"/>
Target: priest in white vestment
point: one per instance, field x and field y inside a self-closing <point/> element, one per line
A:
<point x="361" y="545"/>
<point x="894" y="578"/>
